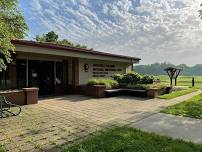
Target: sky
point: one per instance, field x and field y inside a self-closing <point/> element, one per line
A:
<point x="153" y="30"/>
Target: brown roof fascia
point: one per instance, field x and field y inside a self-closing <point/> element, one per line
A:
<point x="68" y="48"/>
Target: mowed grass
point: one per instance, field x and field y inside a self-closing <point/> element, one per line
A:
<point x="131" y="140"/>
<point x="175" y="94"/>
<point x="183" y="80"/>
<point x="2" y="148"/>
<point x="190" y="108"/>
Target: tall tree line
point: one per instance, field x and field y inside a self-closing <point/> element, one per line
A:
<point x="53" y="37"/>
<point x="158" y="69"/>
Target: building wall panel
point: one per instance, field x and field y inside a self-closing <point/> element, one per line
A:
<point x="99" y="69"/>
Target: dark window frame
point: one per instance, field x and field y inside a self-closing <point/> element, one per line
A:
<point x="60" y="72"/>
<point x="4" y="77"/>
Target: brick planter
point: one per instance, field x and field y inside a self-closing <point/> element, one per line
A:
<point x="25" y="96"/>
<point x="153" y="93"/>
<point x="97" y="91"/>
<point x="15" y="96"/>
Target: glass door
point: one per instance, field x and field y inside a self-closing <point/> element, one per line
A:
<point x="41" y="75"/>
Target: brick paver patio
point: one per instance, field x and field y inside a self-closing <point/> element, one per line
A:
<point x="63" y="120"/>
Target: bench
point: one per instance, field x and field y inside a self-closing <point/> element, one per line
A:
<point x="7" y="108"/>
<point x="123" y="91"/>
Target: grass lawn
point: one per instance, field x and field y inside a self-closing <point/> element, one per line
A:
<point x="190" y="108"/>
<point x="131" y="140"/>
<point x="183" y="80"/>
<point x="175" y="94"/>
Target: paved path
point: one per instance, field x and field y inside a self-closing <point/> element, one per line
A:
<point x="178" y="127"/>
<point x="63" y="120"/>
<point x="188" y="129"/>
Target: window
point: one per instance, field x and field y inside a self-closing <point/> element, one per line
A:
<point x="21" y="73"/>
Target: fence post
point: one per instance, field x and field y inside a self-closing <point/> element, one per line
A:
<point x="193" y="82"/>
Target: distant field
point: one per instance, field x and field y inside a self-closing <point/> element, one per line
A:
<point x="183" y="80"/>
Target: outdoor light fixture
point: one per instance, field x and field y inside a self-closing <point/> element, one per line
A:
<point x="173" y="73"/>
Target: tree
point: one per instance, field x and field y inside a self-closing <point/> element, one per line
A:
<point x="200" y="13"/>
<point x="81" y="46"/>
<point x="12" y="26"/>
<point x="54" y="38"/>
<point x="65" y="42"/>
<point x="49" y="37"/>
<point x="158" y="69"/>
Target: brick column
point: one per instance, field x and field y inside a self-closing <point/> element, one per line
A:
<point x="31" y="95"/>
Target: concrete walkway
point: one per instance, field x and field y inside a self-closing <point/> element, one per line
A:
<point x="178" y="127"/>
<point x="185" y="128"/>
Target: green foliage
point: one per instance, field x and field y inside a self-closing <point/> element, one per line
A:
<point x="109" y="83"/>
<point x="65" y="42"/>
<point x="190" y="108"/>
<point x="137" y="86"/>
<point x="147" y="86"/>
<point x="157" y="86"/>
<point x="158" y="69"/>
<point x="200" y="12"/>
<point x="52" y="37"/>
<point x="93" y="82"/>
<point x="81" y="46"/>
<point x="12" y="26"/>
<point x="131" y="140"/>
<point x="182" y="80"/>
<point x="175" y="94"/>
<point x="2" y="148"/>
<point x="118" y="77"/>
<point x="147" y="79"/>
<point x="131" y="77"/>
<point x="49" y="37"/>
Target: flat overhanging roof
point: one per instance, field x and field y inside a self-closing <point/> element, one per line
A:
<point x="71" y="49"/>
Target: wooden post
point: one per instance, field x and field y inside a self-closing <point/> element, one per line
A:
<point x="193" y="82"/>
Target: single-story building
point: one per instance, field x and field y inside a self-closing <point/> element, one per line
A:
<point x="54" y="69"/>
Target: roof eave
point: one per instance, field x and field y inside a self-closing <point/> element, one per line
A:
<point x="67" y="48"/>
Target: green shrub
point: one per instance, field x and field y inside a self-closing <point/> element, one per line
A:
<point x="156" y="86"/>
<point x="2" y="148"/>
<point x="131" y="77"/>
<point x="109" y="83"/>
<point x="147" y="86"/>
<point x="137" y="86"/>
<point x="118" y="78"/>
<point x="93" y="82"/>
<point x="147" y="79"/>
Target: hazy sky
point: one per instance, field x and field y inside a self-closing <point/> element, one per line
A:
<point x="154" y="30"/>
